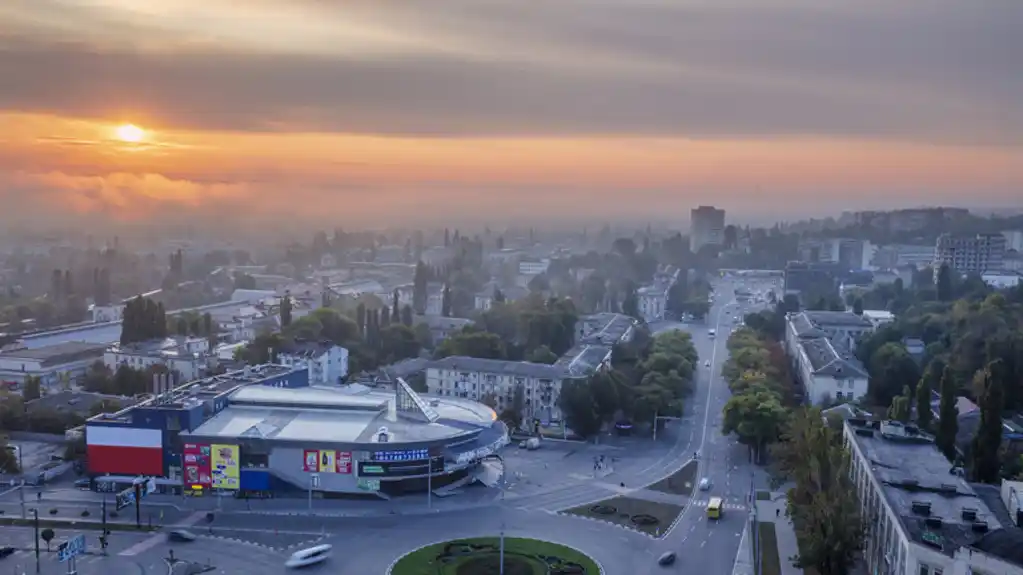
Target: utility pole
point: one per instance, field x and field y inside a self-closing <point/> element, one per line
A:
<point x="35" y="513"/>
<point x="138" y="505"/>
<point x="429" y="483"/>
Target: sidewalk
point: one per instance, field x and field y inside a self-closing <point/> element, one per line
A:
<point x="773" y="511"/>
<point x="744" y="557"/>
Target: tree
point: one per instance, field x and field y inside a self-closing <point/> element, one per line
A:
<point x="395" y="308"/>
<point x="891" y="367"/>
<point x="604" y="388"/>
<point x="419" y="286"/>
<point x="481" y="344"/>
<point x="397" y="342"/>
<point x="944" y="283"/>
<point x="899" y="410"/>
<point x="360" y="318"/>
<point x="512" y="415"/>
<point x="822" y="503"/>
<point x="986" y="443"/>
<point x="542" y="354"/>
<point x="47" y="535"/>
<point x="406" y="316"/>
<point x="286" y="310"/>
<point x="757" y="417"/>
<point x="857" y="306"/>
<point x="928" y="381"/>
<point x="33" y="388"/>
<point x="948" y="423"/>
<point x="630" y="303"/>
<point x="445" y="305"/>
<point x="579" y="408"/>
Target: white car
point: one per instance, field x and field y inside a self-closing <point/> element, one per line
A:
<point x="706" y="364"/>
<point x="705" y="484"/>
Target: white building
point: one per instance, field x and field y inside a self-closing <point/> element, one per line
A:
<point x="820" y="345"/>
<point x="921" y="519"/>
<point x="53" y="364"/>
<point x="533" y="267"/>
<point x="327" y="363"/>
<point x="653" y="301"/>
<point x="1001" y="280"/>
<point x="878" y="317"/>
<point x="706" y="227"/>
<point x="188" y="356"/>
<point x="475" y="378"/>
<point x="1013" y="240"/>
<point x="105" y="313"/>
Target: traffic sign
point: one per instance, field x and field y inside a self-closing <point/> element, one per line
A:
<point x="315" y="479"/>
<point x="71" y="548"/>
<point x="125" y="498"/>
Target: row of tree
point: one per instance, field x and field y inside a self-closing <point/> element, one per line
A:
<point x="143" y="320"/>
<point x="757" y="374"/>
<point x="649" y="378"/>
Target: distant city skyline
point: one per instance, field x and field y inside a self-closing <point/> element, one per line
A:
<point x="378" y="113"/>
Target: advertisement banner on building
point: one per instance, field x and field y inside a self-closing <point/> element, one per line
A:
<point x="327" y="459"/>
<point x="195" y="460"/>
<point x="310" y="461"/>
<point x="225" y="469"/>
<point x="344" y="462"/>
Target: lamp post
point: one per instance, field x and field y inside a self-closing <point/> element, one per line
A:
<point x="35" y="514"/>
<point x="501" y="553"/>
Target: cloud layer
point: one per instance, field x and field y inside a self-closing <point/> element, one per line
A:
<point x="936" y="70"/>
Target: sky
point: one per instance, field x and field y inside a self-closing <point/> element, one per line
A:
<point x="390" y="112"/>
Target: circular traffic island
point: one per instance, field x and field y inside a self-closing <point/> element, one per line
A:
<point x="482" y="556"/>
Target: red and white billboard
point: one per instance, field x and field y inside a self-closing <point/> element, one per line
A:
<point x="124" y="450"/>
<point x="311" y="460"/>
<point x="344" y="462"/>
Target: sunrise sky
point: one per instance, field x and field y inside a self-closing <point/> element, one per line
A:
<point x="389" y="111"/>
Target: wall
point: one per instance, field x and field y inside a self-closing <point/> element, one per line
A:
<point x="286" y="463"/>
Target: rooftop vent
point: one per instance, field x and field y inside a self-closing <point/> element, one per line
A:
<point x="865" y="432"/>
<point x="948" y="488"/>
<point x="969" y="514"/>
<point x="910" y="484"/>
<point x="933" y="522"/>
<point x="921" y="507"/>
<point x="979" y="526"/>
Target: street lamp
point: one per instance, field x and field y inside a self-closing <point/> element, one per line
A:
<point x="35" y="514"/>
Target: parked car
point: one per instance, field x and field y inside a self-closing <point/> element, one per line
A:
<point x="84" y="483"/>
<point x="666" y="559"/>
<point x="7" y="552"/>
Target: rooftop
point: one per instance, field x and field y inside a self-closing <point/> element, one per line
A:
<point x="1005" y="544"/>
<point x="58" y="353"/>
<point x="606" y="328"/>
<point x="826" y="360"/>
<point x="936" y="507"/>
<point x="352" y="414"/>
<point x="519" y="368"/>
<point x="582" y="360"/>
<point x="77" y="402"/>
<point x="813" y="323"/>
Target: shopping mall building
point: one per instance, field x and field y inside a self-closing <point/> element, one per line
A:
<point x="266" y="431"/>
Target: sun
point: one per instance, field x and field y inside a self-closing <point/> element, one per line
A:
<point x="130" y="133"/>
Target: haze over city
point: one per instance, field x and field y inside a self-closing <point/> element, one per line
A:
<point x="399" y="112"/>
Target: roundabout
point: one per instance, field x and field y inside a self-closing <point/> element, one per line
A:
<point x="482" y="556"/>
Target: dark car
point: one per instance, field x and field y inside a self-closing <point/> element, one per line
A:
<point x="7" y="552"/>
<point x="667" y="559"/>
<point x="84" y="483"/>
<point x="181" y="536"/>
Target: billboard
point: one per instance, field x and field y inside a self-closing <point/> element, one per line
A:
<point x="327" y="461"/>
<point x="195" y="460"/>
<point x="371" y="469"/>
<point x="224" y="466"/>
<point x="310" y="460"/>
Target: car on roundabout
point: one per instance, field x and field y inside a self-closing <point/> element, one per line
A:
<point x="705" y="484"/>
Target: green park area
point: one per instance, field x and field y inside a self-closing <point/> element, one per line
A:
<point x="482" y="556"/>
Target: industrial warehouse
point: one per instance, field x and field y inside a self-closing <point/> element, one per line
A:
<point x="265" y="431"/>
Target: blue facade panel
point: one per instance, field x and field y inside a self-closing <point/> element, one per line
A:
<point x="290" y="380"/>
<point x="255" y="480"/>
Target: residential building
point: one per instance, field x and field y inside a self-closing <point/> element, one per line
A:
<point x="850" y="253"/>
<point x="878" y="317"/>
<point x="434" y="299"/>
<point x="842" y="327"/>
<point x="893" y="256"/>
<point x="327" y="362"/>
<point x="810" y="278"/>
<point x="442" y="327"/>
<point x="62" y="363"/>
<point x="653" y="301"/>
<point x="485" y="298"/>
<point x="584" y="360"/>
<point x="605" y="328"/>
<point x="478" y="379"/>
<point x="188" y="356"/>
<point x="1013" y="240"/>
<point x="969" y="254"/>
<point x="706" y="227"/>
<point x="827" y="374"/>
<point x="1001" y="280"/>
<point x="533" y="266"/>
<point x="1013" y="261"/>
<point x="922" y="519"/>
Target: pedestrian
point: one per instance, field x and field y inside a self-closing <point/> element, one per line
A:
<point x="777" y="512"/>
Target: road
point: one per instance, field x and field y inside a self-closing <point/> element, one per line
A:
<point x="711" y="546"/>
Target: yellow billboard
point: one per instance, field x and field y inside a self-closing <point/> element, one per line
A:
<point x="327" y="462"/>
<point x="224" y="466"/>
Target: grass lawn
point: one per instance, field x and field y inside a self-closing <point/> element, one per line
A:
<point x="481" y="556"/>
<point x="681" y="482"/>
<point x="625" y="508"/>
<point x="770" y="563"/>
